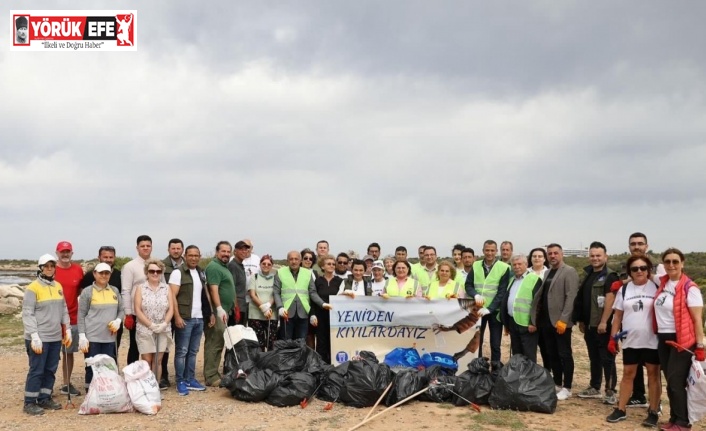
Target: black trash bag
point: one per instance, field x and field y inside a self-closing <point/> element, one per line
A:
<point x="246" y="350"/>
<point x="524" y="386"/>
<point x="368" y="356"/>
<point x="475" y="384"/>
<point x="331" y="382"/>
<point x="255" y="387"/>
<point x="288" y="356"/>
<point x="315" y="364"/>
<point x="441" y="382"/>
<point x="364" y="383"/>
<point x="406" y="382"/>
<point x="246" y="367"/>
<point x="292" y="389"/>
<point x="495" y="368"/>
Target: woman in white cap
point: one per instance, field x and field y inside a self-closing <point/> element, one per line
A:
<point x="46" y="327"/>
<point x="100" y="313"/>
<point x="377" y="284"/>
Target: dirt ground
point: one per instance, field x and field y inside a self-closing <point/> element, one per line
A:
<point x="215" y="409"/>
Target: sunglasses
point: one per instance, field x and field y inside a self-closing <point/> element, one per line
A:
<point x="310" y="259"/>
<point x="674" y="262"/>
<point x="154" y="271"/>
<point x="342" y="262"/>
<point x="642" y="268"/>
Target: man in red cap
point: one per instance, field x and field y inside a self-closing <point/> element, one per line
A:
<point x="69" y="275"/>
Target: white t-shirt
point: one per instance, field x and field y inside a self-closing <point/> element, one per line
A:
<point x="378" y="286"/>
<point x="637" y="315"/>
<point x="252" y="266"/>
<point x="175" y="279"/>
<point x="664" y="306"/>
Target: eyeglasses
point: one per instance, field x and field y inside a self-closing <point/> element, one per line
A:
<point x="310" y="259"/>
<point x="674" y="262"/>
<point x="154" y="271"/>
<point x="642" y="268"/>
<point x="342" y="262"/>
<point x="329" y="263"/>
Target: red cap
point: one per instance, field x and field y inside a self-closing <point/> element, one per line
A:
<point x="64" y="245"/>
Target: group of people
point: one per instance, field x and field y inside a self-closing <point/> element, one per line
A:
<point x="535" y="299"/>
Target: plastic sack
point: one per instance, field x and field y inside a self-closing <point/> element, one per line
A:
<point x="441" y="385"/>
<point x="314" y="364"/>
<point x="437" y="358"/>
<point x="107" y="393"/>
<point x="405" y="383"/>
<point x="288" y="356"/>
<point x="475" y="384"/>
<point x="402" y="357"/>
<point x="696" y="391"/>
<point x="331" y="383"/>
<point x="143" y="387"/>
<point x="255" y="386"/>
<point x="292" y="389"/>
<point x="237" y="333"/>
<point x="365" y="381"/>
<point x="524" y="386"/>
<point x="244" y="350"/>
<point x="245" y="367"/>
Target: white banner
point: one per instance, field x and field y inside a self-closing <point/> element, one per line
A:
<point x="380" y="325"/>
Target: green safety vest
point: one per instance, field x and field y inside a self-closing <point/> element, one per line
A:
<point x="435" y="291"/>
<point x="409" y="288"/>
<point x="487" y="287"/>
<point x="292" y="289"/>
<point x="523" y="301"/>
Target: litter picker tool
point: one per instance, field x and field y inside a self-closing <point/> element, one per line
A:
<point x="678" y="346"/>
<point x="471" y="404"/>
<point x="378" y="401"/>
<point x="414" y="395"/>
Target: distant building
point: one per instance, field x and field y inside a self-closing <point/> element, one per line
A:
<point x="578" y="252"/>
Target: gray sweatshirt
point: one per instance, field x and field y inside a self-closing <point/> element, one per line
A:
<point x="44" y="310"/>
<point x="97" y="306"/>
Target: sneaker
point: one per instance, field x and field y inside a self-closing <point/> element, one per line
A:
<point x="651" y="419"/>
<point x="182" y="389"/>
<point x="637" y="402"/>
<point x="610" y="398"/>
<point x="589" y="392"/>
<point x="194" y="385"/>
<point x="65" y="390"/>
<point x="33" y="409"/>
<point x="164" y="383"/>
<point x="617" y="416"/>
<point x="564" y="394"/>
<point x="49" y="404"/>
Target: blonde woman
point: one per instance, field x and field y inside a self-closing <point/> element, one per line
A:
<point x="444" y="285"/>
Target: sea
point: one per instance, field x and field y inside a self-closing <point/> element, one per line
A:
<point x="16" y="277"/>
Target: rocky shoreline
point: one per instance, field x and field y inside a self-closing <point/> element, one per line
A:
<point x="11" y="297"/>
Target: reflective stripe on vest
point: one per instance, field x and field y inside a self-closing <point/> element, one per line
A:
<point x="523" y="301"/>
<point x="487" y="287"/>
<point x="409" y="288"/>
<point x="292" y="288"/>
<point x="436" y="291"/>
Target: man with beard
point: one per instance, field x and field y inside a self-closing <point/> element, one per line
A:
<point x="69" y="275"/>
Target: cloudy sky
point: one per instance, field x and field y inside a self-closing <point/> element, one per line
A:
<point x="401" y="122"/>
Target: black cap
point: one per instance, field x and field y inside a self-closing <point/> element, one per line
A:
<point x="241" y="244"/>
<point x="21" y="22"/>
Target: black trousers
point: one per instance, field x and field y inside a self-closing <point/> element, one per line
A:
<point x="523" y="342"/>
<point x="601" y="361"/>
<point x="675" y="366"/>
<point x="496" y="335"/>
<point x="558" y="349"/>
<point x="133" y="353"/>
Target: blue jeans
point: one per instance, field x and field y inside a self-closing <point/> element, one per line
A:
<point x="295" y="328"/>
<point x="187" y="341"/>
<point x="94" y="349"/>
<point x="42" y="371"/>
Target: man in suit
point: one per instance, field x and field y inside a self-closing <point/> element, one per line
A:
<point x="561" y="284"/>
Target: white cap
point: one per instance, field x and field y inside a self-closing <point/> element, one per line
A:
<point x="102" y="267"/>
<point x="378" y="264"/>
<point x="46" y="258"/>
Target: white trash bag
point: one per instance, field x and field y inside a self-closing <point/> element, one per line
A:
<point x="237" y="333"/>
<point x="696" y="391"/>
<point x="107" y="392"/>
<point x="143" y="387"/>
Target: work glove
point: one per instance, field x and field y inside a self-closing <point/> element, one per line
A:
<point x="699" y="353"/>
<point x="479" y="300"/>
<point x="83" y="343"/>
<point x="130" y="322"/>
<point x="67" y="336"/>
<point x="483" y="312"/>
<point x="560" y="327"/>
<point x="613" y="346"/>
<point x="162" y="327"/>
<point x="283" y="313"/>
<point x="265" y="307"/>
<point x="451" y="296"/>
<point x="114" y="325"/>
<point x="314" y="321"/>
<point x="154" y="327"/>
<point x="327" y="306"/>
<point x="222" y="315"/>
<point x="36" y="343"/>
<point x="236" y="313"/>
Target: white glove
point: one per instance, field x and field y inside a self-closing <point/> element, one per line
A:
<point x="479" y="300"/>
<point x="82" y="343"/>
<point x="265" y="306"/>
<point x="327" y="306"/>
<point x="222" y="315"/>
<point x="114" y="325"/>
<point x="283" y="313"/>
<point x="483" y="312"/>
<point x="314" y="321"/>
<point x="36" y="343"/>
<point x="68" y="339"/>
<point x="154" y="327"/>
<point x="162" y="327"/>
